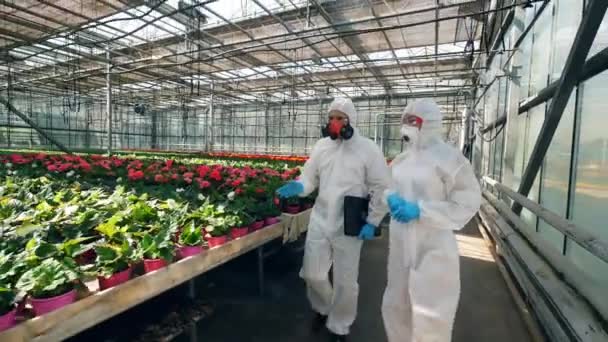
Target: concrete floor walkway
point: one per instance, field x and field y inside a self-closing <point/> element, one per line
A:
<point x="486" y="313"/>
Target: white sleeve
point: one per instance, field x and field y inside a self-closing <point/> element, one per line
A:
<point x="462" y="203"/>
<point x="377" y="181"/>
<point x="310" y="173"/>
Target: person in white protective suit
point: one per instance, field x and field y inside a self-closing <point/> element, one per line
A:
<point x="344" y="163"/>
<point x="433" y="192"/>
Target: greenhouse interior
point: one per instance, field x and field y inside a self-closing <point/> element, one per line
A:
<point x="171" y="170"/>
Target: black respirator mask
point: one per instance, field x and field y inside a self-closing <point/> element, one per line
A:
<point x="335" y="129"/>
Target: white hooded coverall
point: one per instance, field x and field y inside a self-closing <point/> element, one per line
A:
<point x="338" y="168"/>
<point x="423" y="288"/>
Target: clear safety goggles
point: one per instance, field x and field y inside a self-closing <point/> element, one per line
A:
<point x="412" y="120"/>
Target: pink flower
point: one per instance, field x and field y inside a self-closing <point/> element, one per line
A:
<point x="203" y="184"/>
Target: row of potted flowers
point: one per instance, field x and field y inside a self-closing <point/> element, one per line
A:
<point x="58" y="233"/>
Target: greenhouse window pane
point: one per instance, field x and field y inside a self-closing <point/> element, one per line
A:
<point x="591" y="188"/>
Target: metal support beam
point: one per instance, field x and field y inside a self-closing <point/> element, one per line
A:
<point x="500" y="36"/>
<point x="109" y="99"/>
<point x="211" y="115"/>
<point x="496" y="123"/>
<point x="592" y="19"/>
<point x="594" y="66"/>
<point x="352" y="42"/>
<point x="32" y="124"/>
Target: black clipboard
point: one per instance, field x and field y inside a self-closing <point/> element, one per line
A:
<point x="355" y="215"/>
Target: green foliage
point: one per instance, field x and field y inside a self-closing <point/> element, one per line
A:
<point x="48" y="279"/>
<point x="191" y="235"/>
<point x="157" y="245"/>
<point x="7" y="299"/>
<point x="113" y="258"/>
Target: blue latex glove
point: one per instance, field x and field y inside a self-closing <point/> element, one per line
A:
<point x="290" y="189"/>
<point x="367" y="232"/>
<point x="394" y="202"/>
<point x="402" y="210"/>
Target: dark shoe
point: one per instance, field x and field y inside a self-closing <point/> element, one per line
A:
<point x="338" y="338"/>
<point x="318" y="322"/>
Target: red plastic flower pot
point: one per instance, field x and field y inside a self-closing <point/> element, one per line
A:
<point x="293" y="209"/>
<point x="188" y="251"/>
<point x="154" y="264"/>
<point x="7" y="320"/>
<point x="115" y="279"/>
<point x="269" y="221"/>
<point x="257" y="225"/>
<point x="216" y="241"/>
<point x="42" y="306"/>
<point x="236" y="233"/>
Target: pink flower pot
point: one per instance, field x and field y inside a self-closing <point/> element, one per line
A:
<point x="236" y="233"/>
<point x="216" y="241"/>
<point x="154" y="264"/>
<point x="257" y="225"/>
<point x="7" y="320"/>
<point x="271" y="220"/>
<point x="188" y="251"/>
<point x="293" y="209"/>
<point x="45" y="305"/>
<point x="115" y="279"/>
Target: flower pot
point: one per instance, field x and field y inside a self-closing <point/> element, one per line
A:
<point x="236" y="233"/>
<point x="307" y="206"/>
<point x="42" y="306"/>
<point x="188" y="251"/>
<point x="115" y="279"/>
<point x="271" y="220"/>
<point x="257" y="225"/>
<point x="293" y="209"/>
<point x="7" y="320"/>
<point x="216" y="241"/>
<point x="154" y="264"/>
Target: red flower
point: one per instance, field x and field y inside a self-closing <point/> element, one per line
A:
<point x="64" y="167"/>
<point x="216" y="175"/>
<point x="260" y="190"/>
<point x="236" y="183"/>
<point x="160" y="179"/>
<point x="238" y="191"/>
<point x="202" y="170"/>
<point x="86" y="167"/>
<point x="135" y="175"/>
<point x="51" y="167"/>
<point x="174" y="176"/>
<point x="169" y="163"/>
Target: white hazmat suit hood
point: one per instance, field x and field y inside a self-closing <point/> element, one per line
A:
<point x="337" y="168"/>
<point x="423" y="288"/>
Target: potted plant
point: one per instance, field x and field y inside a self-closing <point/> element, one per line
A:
<point x="256" y="211"/>
<point x="217" y="232"/>
<point x="190" y="240"/>
<point x="50" y="285"/>
<point x="113" y="264"/>
<point x="271" y="214"/>
<point x="157" y="249"/>
<point x="292" y="205"/>
<point x="240" y="225"/>
<point x="8" y="309"/>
